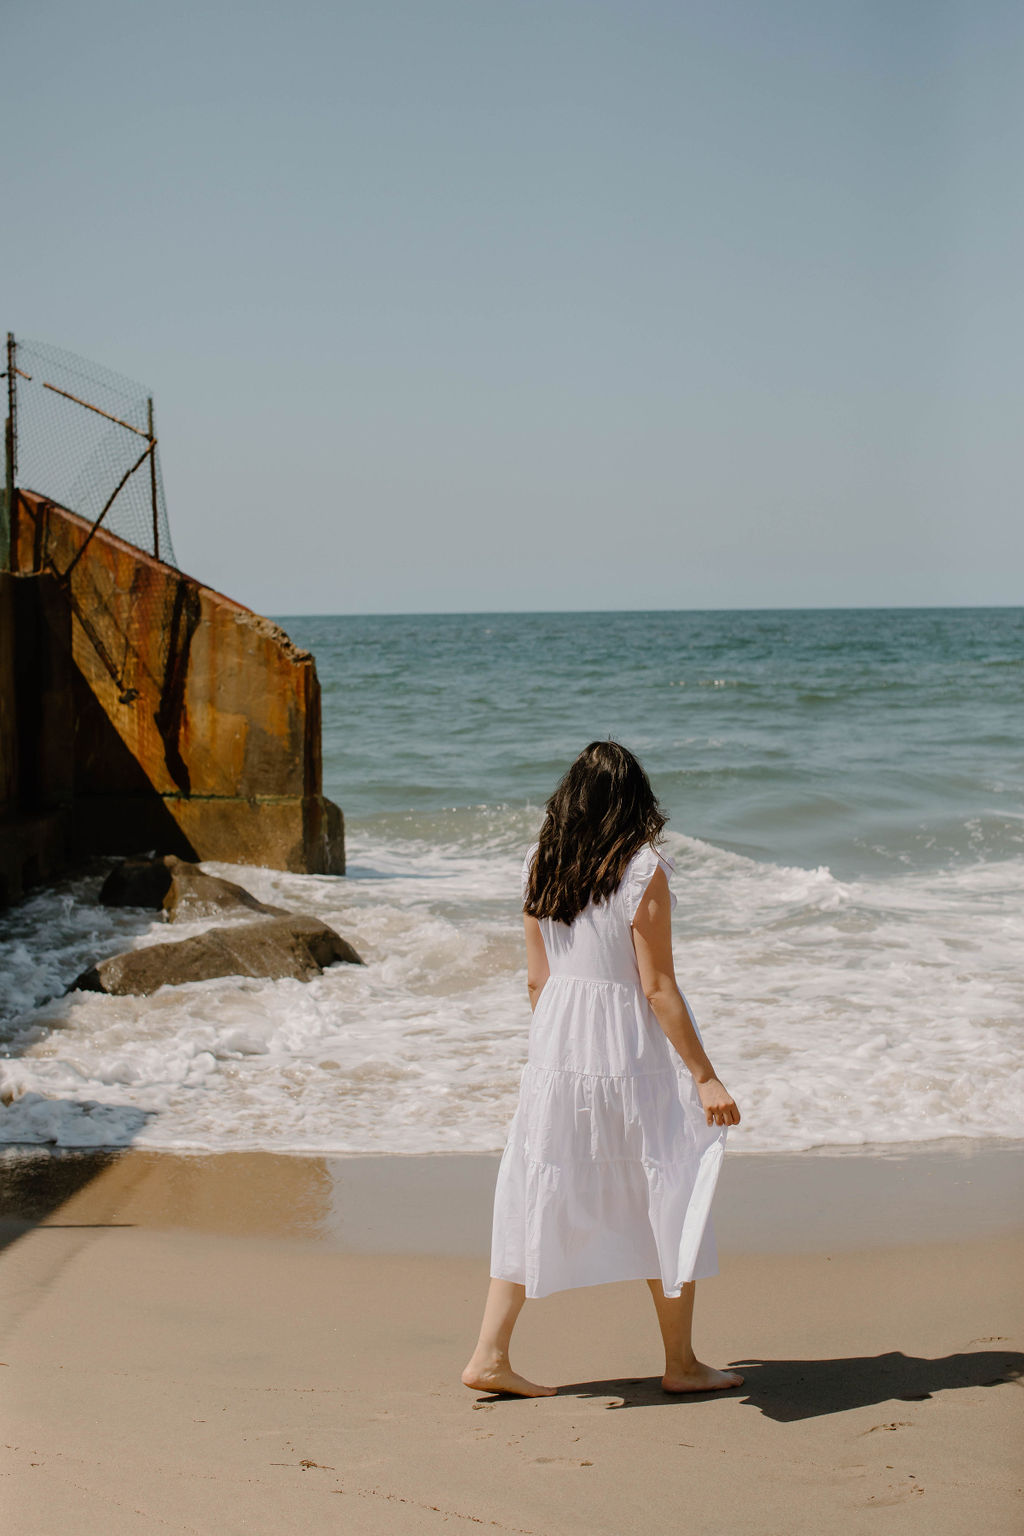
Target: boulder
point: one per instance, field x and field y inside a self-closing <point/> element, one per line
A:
<point x="180" y="888"/>
<point x="141" y="882"/>
<point x="193" y="893"/>
<point x="270" y="948"/>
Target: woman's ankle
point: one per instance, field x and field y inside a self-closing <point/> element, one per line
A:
<point x="490" y="1355"/>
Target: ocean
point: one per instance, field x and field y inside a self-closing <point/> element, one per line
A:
<point x="846" y="800"/>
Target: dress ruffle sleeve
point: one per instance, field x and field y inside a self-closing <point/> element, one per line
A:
<point x="527" y="866"/>
<point x="640" y="871"/>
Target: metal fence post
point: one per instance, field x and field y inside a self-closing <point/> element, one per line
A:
<point x="152" y="479"/>
<point x="8" y="530"/>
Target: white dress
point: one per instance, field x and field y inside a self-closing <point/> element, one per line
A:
<point x="610" y="1167"/>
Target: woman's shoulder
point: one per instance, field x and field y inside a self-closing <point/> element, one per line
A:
<point x="646" y="860"/>
<point x="640" y="871"/>
<point x="638" y="874"/>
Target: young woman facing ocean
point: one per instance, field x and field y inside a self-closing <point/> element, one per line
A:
<point x="613" y="1154"/>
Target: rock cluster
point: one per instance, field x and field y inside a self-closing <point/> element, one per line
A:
<point x="274" y="944"/>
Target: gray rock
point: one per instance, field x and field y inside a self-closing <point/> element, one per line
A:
<point x="137" y="882"/>
<point x="195" y="894"/>
<point x="182" y="889"/>
<point x="270" y="948"/>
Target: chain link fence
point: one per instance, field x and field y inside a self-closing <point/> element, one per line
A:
<point x="86" y="438"/>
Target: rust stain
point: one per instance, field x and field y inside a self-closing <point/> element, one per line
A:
<point x="185" y="615"/>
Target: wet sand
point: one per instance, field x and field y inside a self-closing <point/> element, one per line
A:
<point x="250" y="1343"/>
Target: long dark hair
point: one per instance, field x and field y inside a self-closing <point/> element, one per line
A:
<point x="601" y="813"/>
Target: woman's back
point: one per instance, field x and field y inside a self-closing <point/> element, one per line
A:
<point x="598" y="944"/>
<point x="592" y="1017"/>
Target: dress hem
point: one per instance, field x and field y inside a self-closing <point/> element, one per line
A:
<point x="582" y="1285"/>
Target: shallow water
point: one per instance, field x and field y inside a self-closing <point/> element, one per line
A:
<point x="848" y="827"/>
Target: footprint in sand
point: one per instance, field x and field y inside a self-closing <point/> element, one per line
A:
<point x="896" y="1496"/>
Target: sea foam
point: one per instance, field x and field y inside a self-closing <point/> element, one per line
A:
<point x="840" y="1013"/>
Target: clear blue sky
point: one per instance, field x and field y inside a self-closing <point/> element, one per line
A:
<point x="456" y="304"/>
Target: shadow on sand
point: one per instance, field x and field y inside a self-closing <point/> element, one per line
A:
<point x="790" y="1390"/>
<point x="35" y="1181"/>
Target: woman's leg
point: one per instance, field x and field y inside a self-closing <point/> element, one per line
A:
<point x="683" y="1371"/>
<point x="489" y="1370"/>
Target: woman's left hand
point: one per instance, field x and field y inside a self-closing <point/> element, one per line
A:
<point x="720" y="1107"/>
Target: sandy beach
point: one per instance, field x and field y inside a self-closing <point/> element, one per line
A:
<point x="256" y="1343"/>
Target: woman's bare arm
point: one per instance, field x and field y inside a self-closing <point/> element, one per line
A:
<point x="537" y="969"/>
<point x="652" y="942"/>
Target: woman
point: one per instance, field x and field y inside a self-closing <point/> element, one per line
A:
<point x="613" y="1154"/>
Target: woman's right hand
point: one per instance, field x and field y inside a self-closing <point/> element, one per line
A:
<point x="719" y="1105"/>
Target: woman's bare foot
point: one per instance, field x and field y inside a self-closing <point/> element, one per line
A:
<point x="498" y="1376"/>
<point x="701" y="1378"/>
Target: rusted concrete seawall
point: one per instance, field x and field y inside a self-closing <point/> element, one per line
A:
<point x="194" y="722"/>
<point x="36" y="733"/>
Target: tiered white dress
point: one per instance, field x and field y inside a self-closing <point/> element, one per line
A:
<point x="610" y="1167"/>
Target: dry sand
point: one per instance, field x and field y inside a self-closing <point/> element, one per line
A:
<point x="240" y="1344"/>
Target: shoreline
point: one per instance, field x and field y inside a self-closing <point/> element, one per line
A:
<point x="440" y="1203"/>
<point x="872" y="1149"/>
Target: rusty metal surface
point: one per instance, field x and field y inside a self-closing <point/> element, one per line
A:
<point x="186" y="697"/>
